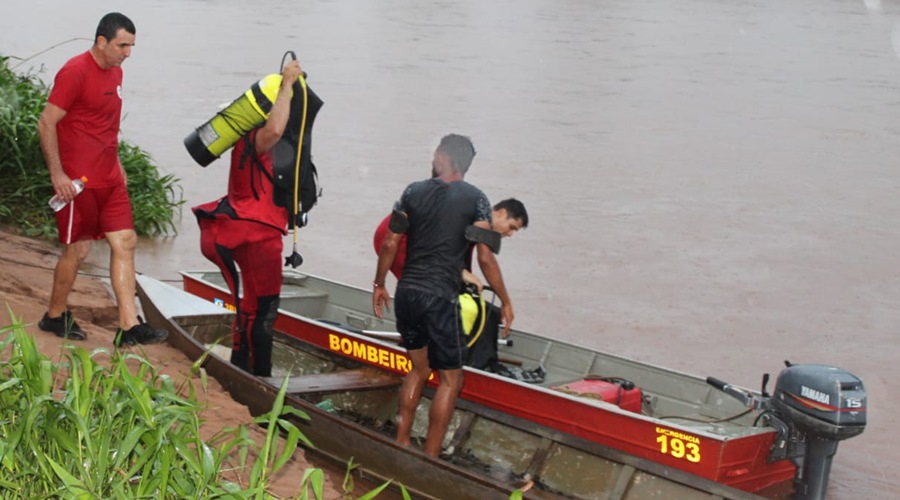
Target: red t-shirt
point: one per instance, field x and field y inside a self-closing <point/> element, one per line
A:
<point x="246" y="183"/>
<point x="400" y="259"/>
<point x="89" y="132"/>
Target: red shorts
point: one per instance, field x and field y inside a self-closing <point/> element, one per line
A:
<point x="93" y="213"/>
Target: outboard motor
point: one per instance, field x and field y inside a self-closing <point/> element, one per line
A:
<point x="825" y="405"/>
<point x="813" y="408"/>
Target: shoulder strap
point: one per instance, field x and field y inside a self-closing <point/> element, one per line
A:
<point x="250" y="152"/>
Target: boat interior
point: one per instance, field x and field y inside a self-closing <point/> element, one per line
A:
<point x="679" y="399"/>
<point x="508" y="450"/>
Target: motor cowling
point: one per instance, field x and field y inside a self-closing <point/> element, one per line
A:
<point x="813" y="408"/>
<point x="821" y="401"/>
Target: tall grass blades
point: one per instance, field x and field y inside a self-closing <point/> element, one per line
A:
<point x="156" y="200"/>
<point x="79" y="429"/>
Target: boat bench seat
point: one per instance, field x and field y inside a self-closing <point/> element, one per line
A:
<point x="303" y="301"/>
<point x="346" y="380"/>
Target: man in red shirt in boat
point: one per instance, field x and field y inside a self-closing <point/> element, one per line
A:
<point x="507" y="217"/>
<point x="480" y="319"/>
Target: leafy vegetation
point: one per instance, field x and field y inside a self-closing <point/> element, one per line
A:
<point x="78" y="429"/>
<point x="156" y="200"/>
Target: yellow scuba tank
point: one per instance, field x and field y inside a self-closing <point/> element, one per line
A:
<point x="472" y="312"/>
<point x="208" y="141"/>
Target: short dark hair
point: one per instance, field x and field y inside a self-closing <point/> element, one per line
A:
<point x="459" y="149"/>
<point x="515" y="209"/>
<point x="111" y="23"/>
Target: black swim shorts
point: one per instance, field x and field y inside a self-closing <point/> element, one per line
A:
<point x="426" y="320"/>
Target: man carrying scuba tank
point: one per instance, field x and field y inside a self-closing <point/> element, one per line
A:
<point x="243" y="232"/>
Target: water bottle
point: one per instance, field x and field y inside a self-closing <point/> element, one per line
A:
<point x="57" y="203"/>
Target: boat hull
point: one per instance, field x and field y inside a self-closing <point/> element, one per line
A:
<point x="563" y="466"/>
<point x="737" y="460"/>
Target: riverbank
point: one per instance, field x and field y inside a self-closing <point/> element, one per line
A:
<point x="26" y="274"/>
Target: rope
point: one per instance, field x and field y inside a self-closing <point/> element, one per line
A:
<point x="80" y="273"/>
<point x="298" y="164"/>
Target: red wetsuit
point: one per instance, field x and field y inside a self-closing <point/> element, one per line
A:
<point x="243" y="233"/>
<point x="400" y="260"/>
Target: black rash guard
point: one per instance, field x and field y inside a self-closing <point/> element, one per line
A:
<point x="438" y="214"/>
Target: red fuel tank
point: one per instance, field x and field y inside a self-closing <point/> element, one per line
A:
<point x="619" y="392"/>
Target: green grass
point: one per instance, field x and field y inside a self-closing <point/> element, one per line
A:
<point x="80" y="429"/>
<point x="156" y="200"/>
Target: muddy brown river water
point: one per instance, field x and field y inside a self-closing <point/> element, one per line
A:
<point x="712" y="185"/>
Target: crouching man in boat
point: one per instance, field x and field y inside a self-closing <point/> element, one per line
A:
<point x="435" y="214"/>
<point x="507" y="217"/>
<point x="243" y="232"/>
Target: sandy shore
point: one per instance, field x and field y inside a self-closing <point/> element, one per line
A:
<point x="26" y="274"/>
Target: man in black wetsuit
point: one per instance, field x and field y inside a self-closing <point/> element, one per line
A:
<point x="435" y="214"/>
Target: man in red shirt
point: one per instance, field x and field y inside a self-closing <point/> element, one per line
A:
<point x="79" y="133"/>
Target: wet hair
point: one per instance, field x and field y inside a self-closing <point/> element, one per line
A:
<point x="111" y="23"/>
<point x="459" y="150"/>
<point x="515" y="209"/>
